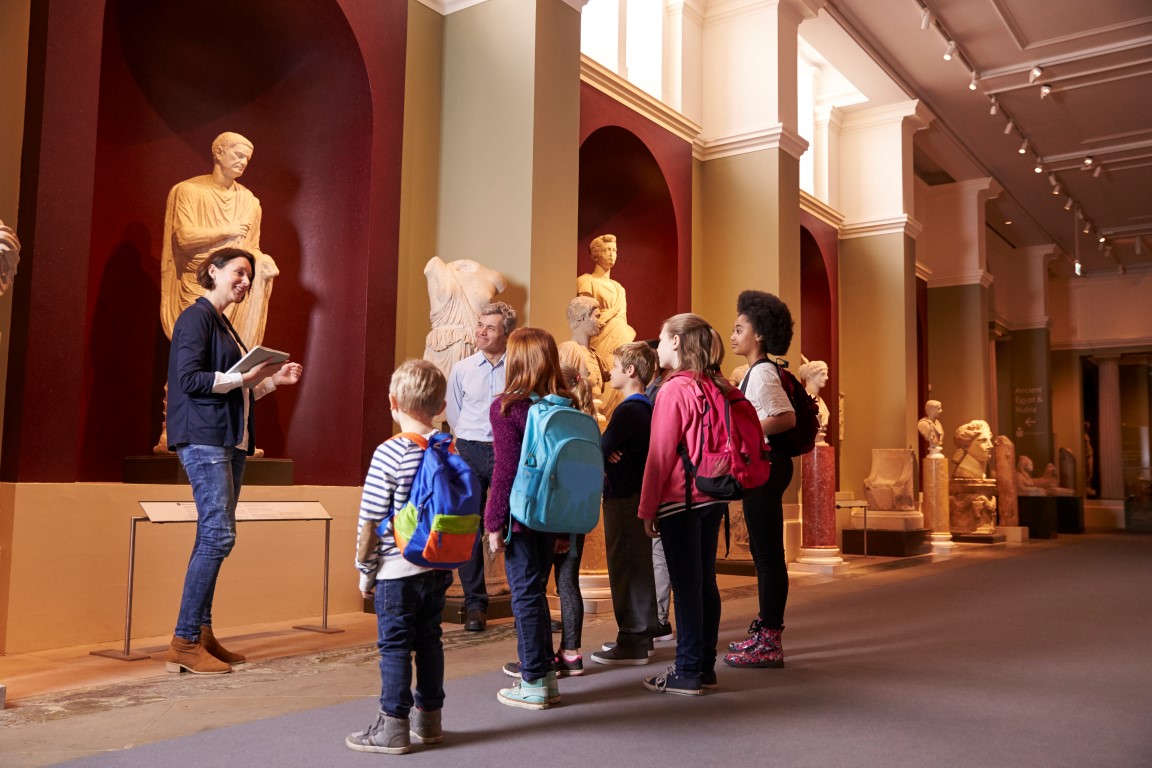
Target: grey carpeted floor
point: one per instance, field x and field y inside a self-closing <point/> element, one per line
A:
<point x="1038" y="660"/>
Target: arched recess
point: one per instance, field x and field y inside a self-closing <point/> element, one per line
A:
<point x="624" y="192"/>
<point x="819" y="312"/>
<point x="292" y="77"/>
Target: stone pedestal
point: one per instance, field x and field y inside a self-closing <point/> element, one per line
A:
<point x="818" y="550"/>
<point x="934" y="484"/>
<point x="1039" y="514"/>
<point x="967" y="495"/>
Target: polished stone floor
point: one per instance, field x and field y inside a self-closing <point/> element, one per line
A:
<point x="63" y="704"/>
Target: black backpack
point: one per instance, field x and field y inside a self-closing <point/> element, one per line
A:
<point x="801" y="438"/>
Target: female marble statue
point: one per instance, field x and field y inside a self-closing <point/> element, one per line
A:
<point x="456" y="292"/>
<point x="610" y="297"/>
<point x="814" y="375"/>
<point x="973" y="449"/>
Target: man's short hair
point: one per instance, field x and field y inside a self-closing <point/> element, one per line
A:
<point x="639" y="355"/>
<point x="505" y="311"/>
<point x="419" y="388"/>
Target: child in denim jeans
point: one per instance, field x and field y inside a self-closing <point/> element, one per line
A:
<point x="409" y="598"/>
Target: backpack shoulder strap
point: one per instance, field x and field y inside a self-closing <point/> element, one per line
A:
<point x="744" y="381"/>
<point x="415" y="437"/>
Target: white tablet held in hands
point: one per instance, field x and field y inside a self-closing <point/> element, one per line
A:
<point x="258" y="355"/>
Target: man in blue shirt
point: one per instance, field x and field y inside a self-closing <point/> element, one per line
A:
<point x="473" y="384"/>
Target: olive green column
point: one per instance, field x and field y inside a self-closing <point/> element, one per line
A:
<point x="509" y="161"/>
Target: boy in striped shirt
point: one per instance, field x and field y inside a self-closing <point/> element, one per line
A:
<point x="409" y="598"/>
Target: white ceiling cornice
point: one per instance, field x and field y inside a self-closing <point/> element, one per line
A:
<point x="896" y="225"/>
<point x="611" y="84"/>
<point x="820" y="210"/>
<point x="776" y="137"/>
<point x="448" y="7"/>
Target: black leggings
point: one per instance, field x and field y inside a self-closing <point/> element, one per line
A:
<point x="567" y="574"/>
<point x="764" y="516"/>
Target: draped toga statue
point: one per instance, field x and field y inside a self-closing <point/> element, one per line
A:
<point x="204" y="214"/>
<point x="457" y="290"/>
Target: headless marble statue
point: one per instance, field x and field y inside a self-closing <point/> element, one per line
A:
<point x="457" y="290"/>
<point x="204" y="214"/>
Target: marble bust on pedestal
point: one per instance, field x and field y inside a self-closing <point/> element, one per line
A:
<point x="931" y="429"/>
<point x="814" y="375"/>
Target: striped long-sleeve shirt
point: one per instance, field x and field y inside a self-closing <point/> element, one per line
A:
<point x="386" y="490"/>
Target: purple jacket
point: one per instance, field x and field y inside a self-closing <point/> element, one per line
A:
<point x="507" y="438"/>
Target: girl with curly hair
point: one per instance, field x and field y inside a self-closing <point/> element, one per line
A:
<point x="763" y="327"/>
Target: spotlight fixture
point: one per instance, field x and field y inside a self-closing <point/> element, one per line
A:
<point x="1077" y="266"/>
<point x="1087" y="227"/>
<point x="1120" y="268"/>
<point x="994" y="108"/>
<point x="925" y="18"/>
<point x="1088" y="161"/>
<point x="1056" y="190"/>
<point x="1102" y="238"/>
<point x="1039" y="167"/>
<point x="1068" y="204"/>
<point x="1035" y="74"/>
<point x="1096" y="173"/>
<point x="1023" y="147"/>
<point x="949" y="51"/>
<point x="972" y="82"/>
<point x="1045" y="90"/>
<point x="1139" y="247"/>
<point x="1008" y="128"/>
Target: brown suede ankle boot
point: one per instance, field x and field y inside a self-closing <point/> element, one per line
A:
<point x="186" y="655"/>
<point x="212" y="645"/>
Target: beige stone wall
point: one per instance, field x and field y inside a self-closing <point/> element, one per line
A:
<point x="65" y="548"/>
<point x="420" y="176"/>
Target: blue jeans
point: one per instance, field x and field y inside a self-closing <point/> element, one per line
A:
<point x="215" y="473"/>
<point x="527" y="561"/>
<point x="480" y="458"/>
<point x="690" y="547"/>
<point x="408" y="621"/>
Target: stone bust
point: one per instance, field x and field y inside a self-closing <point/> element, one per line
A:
<point x="973" y="449"/>
<point x="931" y="429"/>
<point x="583" y="316"/>
<point x="814" y="375"/>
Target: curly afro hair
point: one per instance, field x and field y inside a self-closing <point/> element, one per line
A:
<point x="770" y="319"/>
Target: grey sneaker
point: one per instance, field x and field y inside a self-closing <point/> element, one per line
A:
<point x="388" y="735"/>
<point x="424" y="727"/>
<point x="617" y="656"/>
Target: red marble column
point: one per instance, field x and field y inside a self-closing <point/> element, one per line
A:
<point x="818" y="537"/>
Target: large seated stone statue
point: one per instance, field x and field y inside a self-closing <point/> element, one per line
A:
<point x="889" y="485"/>
<point x="456" y="292"/>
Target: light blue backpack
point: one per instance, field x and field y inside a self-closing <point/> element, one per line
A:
<point x="561" y="474"/>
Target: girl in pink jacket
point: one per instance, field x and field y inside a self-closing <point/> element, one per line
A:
<point x="693" y="351"/>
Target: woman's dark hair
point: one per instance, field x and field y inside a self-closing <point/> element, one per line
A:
<point x="770" y="318"/>
<point x="218" y="259"/>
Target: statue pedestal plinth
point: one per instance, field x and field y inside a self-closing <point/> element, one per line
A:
<point x="934" y="482"/>
<point x="818" y="550"/>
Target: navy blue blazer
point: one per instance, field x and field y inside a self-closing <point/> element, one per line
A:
<point x="201" y="346"/>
